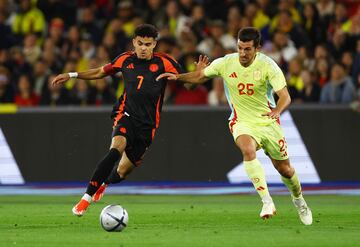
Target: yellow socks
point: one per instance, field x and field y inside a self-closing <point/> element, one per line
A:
<point x="256" y="173"/>
<point x="293" y="185"/>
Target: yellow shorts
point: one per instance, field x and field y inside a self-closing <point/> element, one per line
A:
<point x="269" y="137"/>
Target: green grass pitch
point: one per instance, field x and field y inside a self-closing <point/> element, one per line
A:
<point x="223" y="220"/>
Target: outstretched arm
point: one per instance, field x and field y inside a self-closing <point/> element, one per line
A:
<point x="86" y="75"/>
<point x="196" y="77"/>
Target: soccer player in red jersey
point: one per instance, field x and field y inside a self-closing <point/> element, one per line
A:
<point x="136" y="114"/>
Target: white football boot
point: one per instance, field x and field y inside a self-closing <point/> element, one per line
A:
<point x="268" y="209"/>
<point x="303" y="210"/>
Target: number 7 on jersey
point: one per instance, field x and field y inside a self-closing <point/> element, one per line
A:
<point x="141" y="78"/>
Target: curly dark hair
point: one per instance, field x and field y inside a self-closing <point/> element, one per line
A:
<point x="146" y="30"/>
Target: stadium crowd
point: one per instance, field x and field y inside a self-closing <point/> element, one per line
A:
<point x="316" y="43"/>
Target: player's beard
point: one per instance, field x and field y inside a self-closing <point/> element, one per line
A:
<point x="246" y="61"/>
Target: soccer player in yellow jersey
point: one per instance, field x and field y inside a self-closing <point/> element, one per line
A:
<point x="250" y="78"/>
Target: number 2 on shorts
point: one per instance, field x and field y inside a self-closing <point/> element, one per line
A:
<point x="282" y="144"/>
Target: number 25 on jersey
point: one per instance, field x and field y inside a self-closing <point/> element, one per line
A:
<point x="246" y="88"/>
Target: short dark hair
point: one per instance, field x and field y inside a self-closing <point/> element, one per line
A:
<point x="250" y="33"/>
<point x="146" y="30"/>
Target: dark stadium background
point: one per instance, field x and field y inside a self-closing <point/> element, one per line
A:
<point x="59" y="135"/>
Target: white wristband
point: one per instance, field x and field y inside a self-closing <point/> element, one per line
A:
<point x="73" y="74"/>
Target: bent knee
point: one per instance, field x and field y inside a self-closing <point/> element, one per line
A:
<point x="285" y="170"/>
<point x="119" y="143"/>
<point x="124" y="171"/>
<point x="248" y="152"/>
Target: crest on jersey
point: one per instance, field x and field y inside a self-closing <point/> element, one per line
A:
<point x="257" y="75"/>
<point x="153" y="67"/>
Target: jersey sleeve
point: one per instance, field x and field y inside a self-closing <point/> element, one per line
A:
<point x="275" y="76"/>
<point x="215" y="68"/>
<point x="170" y="64"/>
<point x="116" y="65"/>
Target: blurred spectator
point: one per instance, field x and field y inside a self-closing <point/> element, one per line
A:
<point x="308" y="62"/>
<point x="116" y="27"/>
<point x="126" y="14"/>
<point x="65" y="10"/>
<point x="256" y="16"/>
<point x="101" y="94"/>
<point x="355" y="25"/>
<point x="88" y="25"/>
<point x="339" y="20"/>
<point x="340" y="89"/>
<point x="281" y="49"/>
<point x="55" y="95"/>
<point x="31" y="50"/>
<point x="18" y="63"/>
<point x="51" y="56"/>
<point x="311" y="90"/>
<point x="294" y="80"/>
<point x="325" y="7"/>
<point x="188" y="61"/>
<point x="321" y="51"/>
<point x="285" y="7"/>
<point x="338" y="44"/>
<point x="314" y="27"/>
<point x="198" y="22"/>
<point x="102" y="55"/>
<point x="322" y="71"/>
<point x="155" y="13"/>
<point x="267" y="7"/>
<point x="217" y="95"/>
<point x="347" y="61"/>
<point x="219" y="51"/>
<point x="287" y="25"/>
<point x="176" y="21"/>
<point x="110" y="44"/>
<point x="169" y="46"/>
<point x="186" y="6"/>
<point x="6" y="90"/>
<point x="188" y="44"/>
<point x="5" y="59"/>
<point x="217" y="34"/>
<point x="29" y="19"/>
<point x="56" y="32"/>
<point x="87" y="50"/>
<point x="6" y="7"/>
<point x="41" y="73"/>
<point x="234" y="21"/>
<point x="80" y="94"/>
<point x="7" y="37"/>
<point x="78" y="35"/>
<point x="72" y="41"/>
<point x="25" y="95"/>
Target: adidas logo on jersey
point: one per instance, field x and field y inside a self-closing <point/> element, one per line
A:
<point x="130" y="66"/>
<point x="233" y="75"/>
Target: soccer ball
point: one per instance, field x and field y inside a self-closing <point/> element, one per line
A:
<point x="114" y="218"/>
